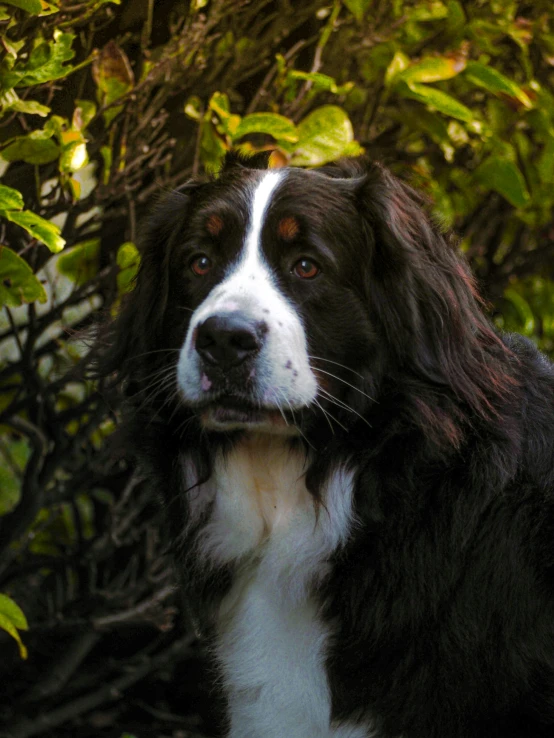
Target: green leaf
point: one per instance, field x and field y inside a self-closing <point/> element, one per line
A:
<point x="493" y="81"/>
<point x="219" y="103"/>
<point x="32" y="150"/>
<point x="128" y="261"/>
<point x="107" y="158"/>
<point x="523" y="310"/>
<point x="324" y="135"/>
<point x="8" y="626"/>
<point x="10" y="100"/>
<point x="278" y="126"/>
<point x="13" y="612"/>
<point x="357" y="7"/>
<point x="436" y="99"/>
<point x="45" y="63"/>
<point x="80" y="263"/>
<point x="18" y="284"/>
<point x="428" y="11"/>
<point x="545" y="165"/>
<point x="193" y="108"/>
<point x="14" y="454"/>
<point x="12" y="619"/>
<point x="10" y="199"/>
<point x="321" y="82"/>
<point x="398" y="64"/>
<point x="39" y="228"/>
<point x="113" y="76"/>
<point x="433" y="69"/>
<point x="74" y="156"/>
<point x="84" y="112"/>
<point x="212" y="148"/>
<point x="504" y="176"/>
<point x="31" y="6"/>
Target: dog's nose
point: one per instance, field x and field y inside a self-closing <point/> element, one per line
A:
<point x="228" y="340"/>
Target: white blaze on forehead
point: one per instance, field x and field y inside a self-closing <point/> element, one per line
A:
<point x="260" y="204"/>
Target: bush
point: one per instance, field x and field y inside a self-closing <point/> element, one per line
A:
<point x="103" y="108"/>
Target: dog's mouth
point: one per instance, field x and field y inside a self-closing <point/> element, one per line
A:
<point x="230" y="412"/>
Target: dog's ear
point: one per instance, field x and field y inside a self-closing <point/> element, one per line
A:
<point x="135" y="332"/>
<point x="424" y="297"/>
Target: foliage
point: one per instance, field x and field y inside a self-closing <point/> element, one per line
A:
<point x="12" y="620"/>
<point x="104" y="106"/>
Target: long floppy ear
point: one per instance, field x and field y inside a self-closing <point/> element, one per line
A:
<point x="123" y="342"/>
<point x="426" y="302"/>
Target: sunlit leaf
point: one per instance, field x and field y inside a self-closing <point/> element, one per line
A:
<point x="493" y="81"/>
<point x="504" y="176"/>
<point x="31" y="6"/>
<point x="12" y="619"/>
<point x="74" y="156"/>
<point x="84" y="112"/>
<point x="321" y="81"/>
<point x="80" y="263"/>
<point x="193" y="108"/>
<point x="41" y="229"/>
<point x="13" y="612"/>
<point x="436" y="99"/>
<point x="128" y="261"/>
<point x="433" y="69"/>
<point x="32" y="150"/>
<point x="10" y="100"/>
<point x="10" y="199"/>
<point x="212" y="148"/>
<point x="323" y="135"/>
<point x="219" y="103"/>
<point x="398" y="64"/>
<point x="18" y="284"/>
<point x="46" y="63"/>
<point x="278" y="126"/>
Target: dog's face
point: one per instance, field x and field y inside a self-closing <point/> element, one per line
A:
<point x="290" y="301"/>
<point x="275" y="303"/>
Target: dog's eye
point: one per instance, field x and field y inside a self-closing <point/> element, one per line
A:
<point x="306" y="269"/>
<point x="201" y="265"/>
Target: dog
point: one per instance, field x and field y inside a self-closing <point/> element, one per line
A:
<point x="358" y="470"/>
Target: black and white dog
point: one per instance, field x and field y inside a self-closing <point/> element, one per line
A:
<point x="358" y="470"/>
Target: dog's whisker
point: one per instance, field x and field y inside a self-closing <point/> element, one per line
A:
<point x="339" y="379"/>
<point x="329" y="361"/>
<point x="327" y="415"/>
<point x="340" y="403"/>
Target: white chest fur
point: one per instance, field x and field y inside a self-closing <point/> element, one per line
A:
<point x="271" y="642"/>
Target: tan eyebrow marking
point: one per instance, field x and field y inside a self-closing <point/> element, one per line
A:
<point x="214" y="224"/>
<point x="288" y="228"/>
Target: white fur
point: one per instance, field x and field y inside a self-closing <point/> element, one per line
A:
<point x="282" y="374"/>
<point x="271" y="641"/>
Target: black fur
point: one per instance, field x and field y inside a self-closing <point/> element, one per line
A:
<point x="443" y="600"/>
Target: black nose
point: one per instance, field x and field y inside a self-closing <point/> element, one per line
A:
<point x="228" y="340"/>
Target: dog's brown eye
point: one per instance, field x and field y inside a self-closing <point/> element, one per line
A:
<point x="306" y="269"/>
<point x="201" y="265"/>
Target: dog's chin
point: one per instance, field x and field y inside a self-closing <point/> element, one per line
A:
<point x="229" y="414"/>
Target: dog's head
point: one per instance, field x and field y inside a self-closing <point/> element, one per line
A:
<point x="287" y="301"/>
